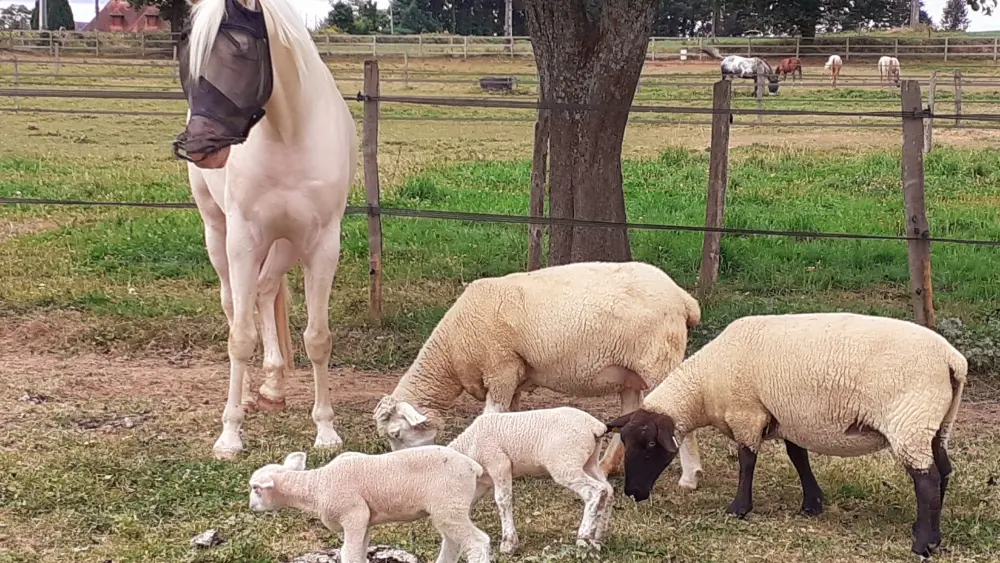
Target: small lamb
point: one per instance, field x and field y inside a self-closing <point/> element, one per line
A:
<point x="586" y="329"/>
<point x="356" y="491"/>
<point x="562" y="442"/>
<point x="838" y="384"/>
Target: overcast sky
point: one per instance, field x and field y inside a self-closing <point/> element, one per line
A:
<point x="314" y="11"/>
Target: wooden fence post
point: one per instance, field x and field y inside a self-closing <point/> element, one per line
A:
<point x="718" y="177"/>
<point x="995" y="49"/>
<point x="958" y="98"/>
<point x="915" y="218"/>
<point x="946" y="49"/>
<point x="370" y="151"/>
<point x="465" y="47"/>
<point x="847" y="49"/>
<point x="539" y="181"/>
<point x="406" y="71"/>
<point x="652" y="48"/>
<point x="17" y="73"/>
<point x="798" y="44"/>
<point x="929" y="122"/>
<point x="97" y="44"/>
<point x="759" y="91"/>
<point x="374" y="42"/>
<point x="895" y="48"/>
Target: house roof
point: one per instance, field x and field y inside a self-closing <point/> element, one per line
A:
<point x="135" y="20"/>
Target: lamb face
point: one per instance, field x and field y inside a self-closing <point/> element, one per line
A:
<point x="650" y="446"/>
<point x="403" y="424"/>
<point x="262" y="497"/>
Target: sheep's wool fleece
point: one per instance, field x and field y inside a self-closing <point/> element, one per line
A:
<point x="532" y="440"/>
<point x="838" y="384"/>
<point x="568" y="322"/>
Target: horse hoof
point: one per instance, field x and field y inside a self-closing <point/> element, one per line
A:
<point x="269" y="405"/>
<point x="328" y="439"/>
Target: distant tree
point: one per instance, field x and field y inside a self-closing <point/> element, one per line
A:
<point x="955" y="16"/>
<point x="59" y="14"/>
<point x="174" y="11"/>
<point x="341" y="17"/>
<point x="368" y="19"/>
<point x="14" y="17"/>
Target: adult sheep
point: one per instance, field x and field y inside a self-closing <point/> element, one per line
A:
<point x="838" y="384"/>
<point x="585" y="330"/>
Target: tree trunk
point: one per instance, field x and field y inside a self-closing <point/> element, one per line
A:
<point x="593" y="60"/>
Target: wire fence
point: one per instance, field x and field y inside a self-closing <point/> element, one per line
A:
<point x="522" y="220"/>
<point x="910" y="112"/>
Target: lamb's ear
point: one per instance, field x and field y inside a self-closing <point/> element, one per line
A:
<point x="412" y="416"/>
<point x="619" y="422"/>
<point x="296" y="461"/>
<point x="263" y="483"/>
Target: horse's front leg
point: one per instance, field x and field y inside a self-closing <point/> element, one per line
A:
<point x="279" y="260"/>
<point x="320" y="267"/>
<point x="244" y="257"/>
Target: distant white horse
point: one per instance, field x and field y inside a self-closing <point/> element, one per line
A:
<point x="273" y="149"/>
<point x="745" y="67"/>
<point x="888" y="67"/>
<point x="833" y="64"/>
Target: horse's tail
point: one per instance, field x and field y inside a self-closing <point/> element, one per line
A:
<point x="281" y="319"/>
<point x="712" y="52"/>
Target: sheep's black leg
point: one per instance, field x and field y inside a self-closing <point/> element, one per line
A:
<point x="812" y="494"/>
<point x="926" y="533"/>
<point x="743" y="503"/>
<point x="944" y="470"/>
<point x="942" y="462"/>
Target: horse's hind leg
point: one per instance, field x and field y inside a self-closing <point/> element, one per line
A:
<point x="320" y="267"/>
<point x="279" y="260"/>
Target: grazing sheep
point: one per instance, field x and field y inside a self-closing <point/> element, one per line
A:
<point x="584" y="329"/>
<point x="562" y="442"/>
<point x="838" y="384"/>
<point x="888" y="67"/>
<point x="355" y="492"/>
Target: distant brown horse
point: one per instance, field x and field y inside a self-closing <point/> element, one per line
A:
<point x="790" y="66"/>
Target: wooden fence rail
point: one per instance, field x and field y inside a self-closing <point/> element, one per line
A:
<point x="915" y="213"/>
<point x="159" y="45"/>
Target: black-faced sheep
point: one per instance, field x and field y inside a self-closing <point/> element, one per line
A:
<point x="837" y="384"/>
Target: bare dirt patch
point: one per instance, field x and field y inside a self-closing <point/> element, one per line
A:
<point x="10" y="229"/>
<point x="200" y="381"/>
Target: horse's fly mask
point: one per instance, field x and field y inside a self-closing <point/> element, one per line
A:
<point x="228" y="97"/>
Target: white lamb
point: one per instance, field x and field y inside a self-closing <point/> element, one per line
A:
<point x="838" y="384"/>
<point x="585" y="330"/>
<point x="355" y="492"/>
<point x="562" y="442"/>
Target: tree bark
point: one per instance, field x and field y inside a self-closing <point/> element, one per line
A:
<point x="591" y="59"/>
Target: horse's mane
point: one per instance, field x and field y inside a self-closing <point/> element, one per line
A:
<point x="282" y="23"/>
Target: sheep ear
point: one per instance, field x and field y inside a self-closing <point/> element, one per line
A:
<point x="619" y="422"/>
<point x="264" y="483"/>
<point x="412" y="416"/>
<point x="665" y="436"/>
<point x="295" y="461"/>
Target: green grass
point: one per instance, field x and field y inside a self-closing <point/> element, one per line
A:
<point x="75" y="485"/>
<point x="136" y="254"/>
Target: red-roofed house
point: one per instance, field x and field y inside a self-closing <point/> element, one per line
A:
<point x="118" y="16"/>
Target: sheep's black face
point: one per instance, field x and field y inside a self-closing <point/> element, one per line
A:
<point x="650" y="446"/>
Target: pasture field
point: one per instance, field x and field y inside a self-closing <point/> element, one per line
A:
<point x="113" y="341"/>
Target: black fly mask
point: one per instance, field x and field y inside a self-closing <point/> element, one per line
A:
<point x="228" y="97"/>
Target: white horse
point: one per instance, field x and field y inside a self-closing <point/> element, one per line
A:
<point x="833" y="64"/>
<point x="745" y="67"/>
<point x="273" y="151"/>
<point x="888" y="67"/>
